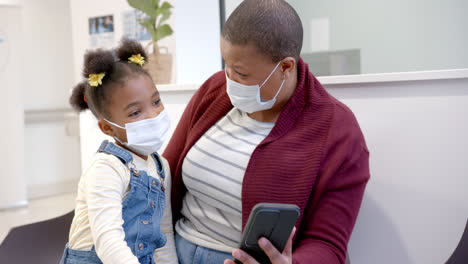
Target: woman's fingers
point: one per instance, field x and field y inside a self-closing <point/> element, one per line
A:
<point x="288" y="248"/>
<point x="242" y="257"/>
<point x="273" y="254"/>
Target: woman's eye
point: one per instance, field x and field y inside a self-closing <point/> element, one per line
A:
<point x="241" y="74"/>
<point x="157" y="102"/>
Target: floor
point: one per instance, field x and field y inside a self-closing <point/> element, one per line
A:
<point x="37" y="210"/>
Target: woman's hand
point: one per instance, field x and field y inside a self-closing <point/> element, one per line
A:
<point x="275" y="256"/>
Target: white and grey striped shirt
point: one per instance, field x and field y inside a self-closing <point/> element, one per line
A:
<point x="213" y="171"/>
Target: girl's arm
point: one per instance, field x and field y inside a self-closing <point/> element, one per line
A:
<point x="105" y="187"/>
<point x="167" y="254"/>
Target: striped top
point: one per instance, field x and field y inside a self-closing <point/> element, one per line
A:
<point x="213" y="171"/>
<point x="98" y="221"/>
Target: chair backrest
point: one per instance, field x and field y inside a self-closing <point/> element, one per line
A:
<point x="39" y="243"/>
<point x="460" y="255"/>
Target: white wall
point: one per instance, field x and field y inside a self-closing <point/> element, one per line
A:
<point x="12" y="189"/>
<point x="197" y="32"/>
<point x="230" y="6"/>
<point x="52" y="152"/>
<point x="43" y="158"/>
<point x="394" y="36"/>
<point x="416" y="204"/>
<point x="10" y="2"/>
<point x="52" y="160"/>
<point x="47" y="53"/>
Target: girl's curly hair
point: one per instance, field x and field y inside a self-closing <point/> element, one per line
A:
<point x="117" y="70"/>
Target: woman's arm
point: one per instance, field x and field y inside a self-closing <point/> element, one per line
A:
<point x="104" y="191"/>
<point x="324" y="239"/>
<point x="329" y="220"/>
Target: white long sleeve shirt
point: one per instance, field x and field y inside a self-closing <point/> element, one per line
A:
<point x="98" y="214"/>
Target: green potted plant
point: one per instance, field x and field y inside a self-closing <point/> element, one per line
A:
<point x="159" y="64"/>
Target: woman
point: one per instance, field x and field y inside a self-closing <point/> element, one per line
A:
<point x="265" y="130"/>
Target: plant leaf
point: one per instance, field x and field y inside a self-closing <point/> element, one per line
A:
<point x="146" y="6"/>
<point x="137" y="4"/>
<point x="165" y="12"/>
<point x="155" y="7"/>
<point x="155" y="4"/>
<point x="148" y="23"/>
<point x="163" y="31"/>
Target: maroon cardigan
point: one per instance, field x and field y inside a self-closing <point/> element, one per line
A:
<point x="315" y="157"/>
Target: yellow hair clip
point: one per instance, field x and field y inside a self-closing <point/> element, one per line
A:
<point x="138" y="59"/>
<point x="96" y="79"/>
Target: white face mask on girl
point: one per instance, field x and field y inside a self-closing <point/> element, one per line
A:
<point x="247" y="97"/>
<point x="146" y="136"/>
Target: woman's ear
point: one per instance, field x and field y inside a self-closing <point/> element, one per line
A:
<point x="106" y="128"/>
<point x="288" y="65"/>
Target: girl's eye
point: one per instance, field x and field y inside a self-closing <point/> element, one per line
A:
<point x="133" y="114"/>
<point x="156" y="103"/>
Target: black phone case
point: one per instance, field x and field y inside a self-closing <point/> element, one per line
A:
<point x="273" y="221"/>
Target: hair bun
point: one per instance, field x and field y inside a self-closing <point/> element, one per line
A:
<point x="97" y="61"/>
<point x="128" y="48"/>
<point x="77" y="98"/>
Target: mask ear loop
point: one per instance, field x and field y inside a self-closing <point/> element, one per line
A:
<point x="281" y="86"/>
<point x="116" y="138"/>
<point x="130" y="166"/>
<point x="270" y="74"/>
<point x="114" y="124"/>
<point x="279" y="90"/>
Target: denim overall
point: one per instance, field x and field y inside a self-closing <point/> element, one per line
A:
<point x="141" y="211"/>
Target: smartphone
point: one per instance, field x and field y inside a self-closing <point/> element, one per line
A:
<point x="274" y="221"/>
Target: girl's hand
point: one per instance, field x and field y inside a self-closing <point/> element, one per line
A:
<point x="275" y="256"/>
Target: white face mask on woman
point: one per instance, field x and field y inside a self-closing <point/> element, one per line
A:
<point x="247" y="97"/>
<point x="146" y="136"/>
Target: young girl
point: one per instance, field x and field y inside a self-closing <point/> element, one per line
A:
<point x="123" y="209"/>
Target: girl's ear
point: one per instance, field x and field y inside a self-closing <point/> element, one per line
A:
<point x="106" y="128"/>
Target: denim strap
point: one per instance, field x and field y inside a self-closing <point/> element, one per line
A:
<point x="110" y="148"/>
<point x="159" y="164"/>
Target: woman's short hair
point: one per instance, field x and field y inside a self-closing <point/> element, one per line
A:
<point x="273" y="26"/>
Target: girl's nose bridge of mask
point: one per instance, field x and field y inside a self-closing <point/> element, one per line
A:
<point x="151" y="114"/>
